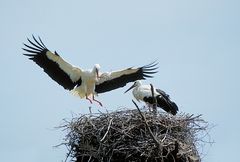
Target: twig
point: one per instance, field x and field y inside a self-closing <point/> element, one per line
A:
<point x="90" y="158"/>
<point x="165" y="136"/>
<point x="148" y="128"/>
<point x="109" y="125"/>
<point x="154" y="101"/>
<point x="68" y="154"/>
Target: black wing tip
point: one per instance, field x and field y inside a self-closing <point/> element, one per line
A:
<point x="39" y="41"/>
<point x="152" y="64"/>
<point x="147" y="76"/>
<point x="29" y="55"/>
<point x="149" y="69"/>
<point x="36" y="47"/>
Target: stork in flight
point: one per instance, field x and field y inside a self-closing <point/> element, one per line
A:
<point x="83" y="83"/>
<point x="143" y="93"/>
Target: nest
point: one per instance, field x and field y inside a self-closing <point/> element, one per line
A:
<point x="134" y="135"/>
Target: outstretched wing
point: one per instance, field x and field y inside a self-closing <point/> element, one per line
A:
<point x="117" y="79"/>
<point x="55" y="66"/>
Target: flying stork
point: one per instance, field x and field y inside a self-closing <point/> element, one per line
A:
<point x="83" y="83"/>
<point x="143" y="93"/>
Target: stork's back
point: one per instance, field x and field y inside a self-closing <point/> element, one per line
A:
<point x="144" y="93"/>
<point x="163" y="101"/>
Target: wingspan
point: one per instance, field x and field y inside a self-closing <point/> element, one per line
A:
<point x="55" y="66"/>
<point x="117" y="79"/>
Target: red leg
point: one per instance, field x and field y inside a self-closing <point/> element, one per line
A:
<point x="97" y="101"/>
<point x="88" y="99"/>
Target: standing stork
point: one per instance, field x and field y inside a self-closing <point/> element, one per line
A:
<point x="83" y="83"/>
<point x="143" y="93"/>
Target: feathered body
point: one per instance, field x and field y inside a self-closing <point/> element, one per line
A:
<point x="143" y="93"/>
<point x="87" y="87"/>
<point x="83" y="83"/>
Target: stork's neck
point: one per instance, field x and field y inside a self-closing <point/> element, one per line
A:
<point x="96" y="68"/>
<point x="136" y="93"/>
<point x="93" y="70"/>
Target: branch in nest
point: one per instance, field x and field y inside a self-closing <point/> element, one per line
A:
<point x="109" y="125"/>
<point x="154" y="101"/>
<point x="148" y="128"/>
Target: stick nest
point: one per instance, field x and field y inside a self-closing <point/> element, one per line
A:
<point x="134" y="135"/>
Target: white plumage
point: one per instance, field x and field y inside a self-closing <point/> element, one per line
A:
<point x="83" y="83"/>
<point x="143" y="93"/>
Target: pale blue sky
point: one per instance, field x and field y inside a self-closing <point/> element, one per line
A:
<point x="197" y="44"/>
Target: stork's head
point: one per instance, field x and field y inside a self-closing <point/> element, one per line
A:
<point x="96" y="69"/>
<point x="136" y="84"/>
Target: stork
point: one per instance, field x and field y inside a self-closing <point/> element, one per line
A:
<point x="143" y="93"/>
<point x="83" y="83"/>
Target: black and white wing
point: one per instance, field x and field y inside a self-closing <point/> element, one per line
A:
<point x="118" y="79"/>
<point x="163" y="101"/>
<point x="54" y="65"/>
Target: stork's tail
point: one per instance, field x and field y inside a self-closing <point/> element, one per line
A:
<point x="167" y="105"/>
<point x="77" y="92"/>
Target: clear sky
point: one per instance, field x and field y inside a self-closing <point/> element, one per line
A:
<point x="197" y="44"/>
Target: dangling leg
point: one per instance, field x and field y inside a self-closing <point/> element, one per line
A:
<point x="97" y="101"/>
<point x="149" y="107"/>
<point x="88" y="99"/>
